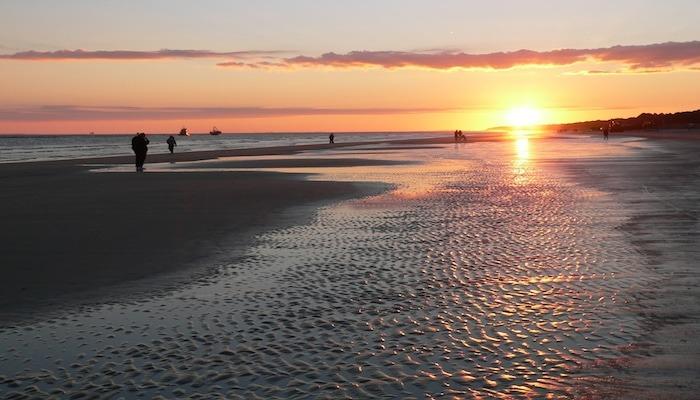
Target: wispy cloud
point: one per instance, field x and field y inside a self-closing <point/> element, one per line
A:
<point x="256" y="64"/>
<point x="63" y="55"/>
<point x="600" y="72"/>
<point x="86" y="113"/>
<point x="638" y="58"/>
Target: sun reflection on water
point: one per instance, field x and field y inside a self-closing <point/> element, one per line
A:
<point x="522" y="156"/>
<point x="522" y="146"/>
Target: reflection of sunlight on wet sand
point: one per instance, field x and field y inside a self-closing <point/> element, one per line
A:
<point x="522" y="155"/>
<point x="522" y="146"/>
<point x="411" y="181"/>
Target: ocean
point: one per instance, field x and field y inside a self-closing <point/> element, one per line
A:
<point x="22" y="148"/>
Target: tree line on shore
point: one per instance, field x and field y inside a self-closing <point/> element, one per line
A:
<point x="678" y="120"/>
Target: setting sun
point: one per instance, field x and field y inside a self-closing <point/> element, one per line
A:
<point x="523" y="116"/>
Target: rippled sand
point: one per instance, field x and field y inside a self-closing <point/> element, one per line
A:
<point x="488" y="272"/>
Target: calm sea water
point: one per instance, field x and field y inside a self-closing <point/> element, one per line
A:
<point x="49" y="147"/>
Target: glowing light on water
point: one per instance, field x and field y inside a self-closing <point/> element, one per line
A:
<point x="521" y="157"/>
<point x="522" y="147"/>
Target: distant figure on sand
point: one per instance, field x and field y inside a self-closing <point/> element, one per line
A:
<point x="459" y="136"/>
<point x="606" y="133"/>
<point x="139" y="144"/>
<point x="171" y="144"/>
<point x="331" y="138"/>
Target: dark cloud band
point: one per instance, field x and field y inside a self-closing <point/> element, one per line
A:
<point x="64" y="55"/>
<point x="82" y="113"/>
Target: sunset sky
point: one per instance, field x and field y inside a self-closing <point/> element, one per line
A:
<point x="121" y="66"/>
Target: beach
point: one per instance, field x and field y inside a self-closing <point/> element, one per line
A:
<point x="509" y="266"/>
<point x="75" y="234"/>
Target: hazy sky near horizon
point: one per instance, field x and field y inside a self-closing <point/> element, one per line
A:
<point x="118" y="66"/>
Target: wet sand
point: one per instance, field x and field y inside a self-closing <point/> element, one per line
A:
<point x="516" y="269"/>
<point x="665" y="135"/>
<point x="661" y="187"/>
<point x="72" y="237"/>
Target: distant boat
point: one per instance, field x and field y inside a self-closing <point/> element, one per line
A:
<point x="183" y="132"/>
<point x="215" y="132"/>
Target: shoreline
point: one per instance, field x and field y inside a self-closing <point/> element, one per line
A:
<point x="201" y="155"/>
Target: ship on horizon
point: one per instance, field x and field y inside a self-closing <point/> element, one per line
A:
<point x="215" y="132"/>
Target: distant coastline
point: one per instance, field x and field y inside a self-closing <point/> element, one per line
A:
<point x="644" y="121"/>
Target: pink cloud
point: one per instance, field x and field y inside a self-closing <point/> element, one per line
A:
<point x="631" y="58"/>
<point x="636" y="57"/>
<point x="653" y="55"/>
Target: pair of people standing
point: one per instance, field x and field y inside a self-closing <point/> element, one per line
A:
<point x="139" y="144"/>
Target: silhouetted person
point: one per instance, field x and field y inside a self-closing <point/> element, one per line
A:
<point x="139" y="144"/>
<point x="459" y="136"/>
<point x="606" y="133"/>
<point x="171" y="144"/>
<point x="331" y="138"/>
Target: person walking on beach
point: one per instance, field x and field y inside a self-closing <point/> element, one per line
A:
<point x="171" y="144"/>
<point x="139" y="144"/>
<point x="331" y="138"/>
<point x="606" y="133"/>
